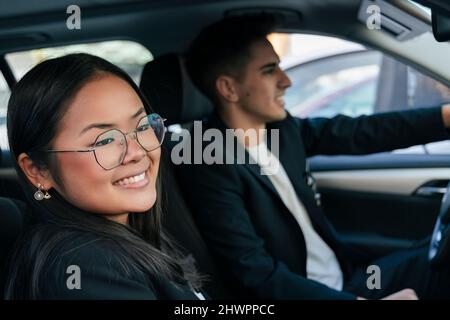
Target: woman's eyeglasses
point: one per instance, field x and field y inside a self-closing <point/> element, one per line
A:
<point x="110" y="147"/>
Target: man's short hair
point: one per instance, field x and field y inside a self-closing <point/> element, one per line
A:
<point x="223" y="48"/>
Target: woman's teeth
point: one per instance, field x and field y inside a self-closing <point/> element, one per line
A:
<point x="131" y="180"/>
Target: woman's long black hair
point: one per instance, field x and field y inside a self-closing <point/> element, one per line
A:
<point x="37" y="104"/>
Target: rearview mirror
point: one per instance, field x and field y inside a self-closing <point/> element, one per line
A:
<point x="441" y="26"/>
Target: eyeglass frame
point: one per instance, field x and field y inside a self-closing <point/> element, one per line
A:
<point x="125" y="134"/>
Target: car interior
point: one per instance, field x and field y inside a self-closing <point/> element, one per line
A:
<point x="379" y="203"/>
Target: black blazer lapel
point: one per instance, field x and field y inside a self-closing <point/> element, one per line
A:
<point x="293" y="158"/>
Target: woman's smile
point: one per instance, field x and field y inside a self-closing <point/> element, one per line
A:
<point x="134" y="182"/>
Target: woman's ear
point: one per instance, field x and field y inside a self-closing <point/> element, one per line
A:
<point x="34" y="174"/>
<point x="226" y="87"/>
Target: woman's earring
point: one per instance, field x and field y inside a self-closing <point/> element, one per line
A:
<point x="39" y="195"/>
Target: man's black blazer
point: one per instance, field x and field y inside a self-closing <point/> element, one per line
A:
<point x="255" y="238"/>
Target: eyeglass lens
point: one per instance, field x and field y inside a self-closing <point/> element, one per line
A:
<point x="111" y="146"/>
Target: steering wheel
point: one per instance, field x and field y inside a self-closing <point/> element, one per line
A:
<point x="439" y="250"/>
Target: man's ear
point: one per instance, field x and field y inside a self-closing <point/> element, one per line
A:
<point x="34" y="174"/>
<point x="226" y="87"/>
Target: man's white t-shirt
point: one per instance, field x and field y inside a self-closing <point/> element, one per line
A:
<point x="321" y="262"/>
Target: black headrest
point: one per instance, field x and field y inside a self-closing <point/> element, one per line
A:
<point x="169" y="90"/>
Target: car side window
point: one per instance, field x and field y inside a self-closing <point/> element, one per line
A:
<point x="128" y="55"/>
<point x="4" y="97"/>
<point x="331" y="76"/>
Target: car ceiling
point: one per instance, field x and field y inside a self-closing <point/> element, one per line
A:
<point x="168" y="25"/>
<point x="180" y="20"/>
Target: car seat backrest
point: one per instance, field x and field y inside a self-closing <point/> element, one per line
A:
<point x="170" y="92"/>
<point x="12" y="219"/>
<point x="177" y="219"/>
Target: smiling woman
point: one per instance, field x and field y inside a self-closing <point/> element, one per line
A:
<point x="86" y="149"/>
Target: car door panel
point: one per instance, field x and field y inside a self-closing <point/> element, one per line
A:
<point x="378" y="202"/>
